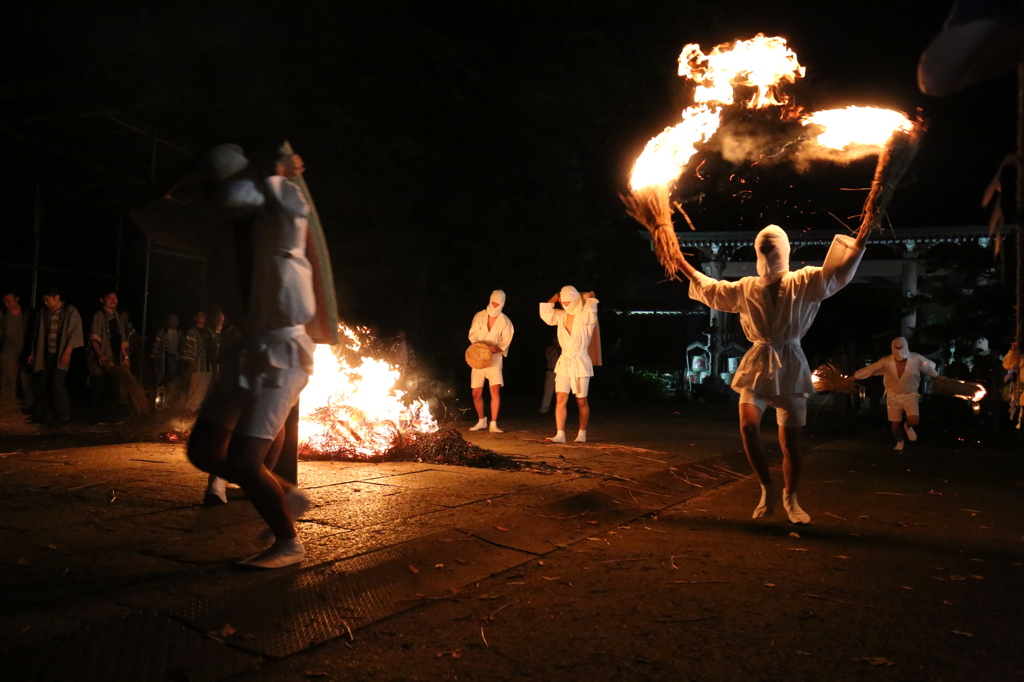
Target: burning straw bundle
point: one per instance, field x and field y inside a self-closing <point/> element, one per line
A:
<point x="893" y="163"/>
<point x="650" y="207"/>
<point x="962" y="389"/>
<point x="828" y="378"/>
<point x="129" y="389"/>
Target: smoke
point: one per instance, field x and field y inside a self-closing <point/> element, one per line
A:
<point x="776" y="142"/>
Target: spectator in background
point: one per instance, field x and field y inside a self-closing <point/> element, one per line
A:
<point x="58" y="333"/>
<point x="198" y="352"/>
<point x="108" y="347"/>
<point x="15" y="346"/>
<point x="166" y="346"/>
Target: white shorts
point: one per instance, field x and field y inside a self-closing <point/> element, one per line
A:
<point x="790" y="409"/>
<point x="491" y="374"/>
<point x="898" y="403"/>
<point x="564" y="384"/>
<point x="260" y="412"/>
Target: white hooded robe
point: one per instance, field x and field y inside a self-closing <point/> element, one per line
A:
<point x="574" y="361"/>
<point x="500" y="333"/>
<point x="776" y="364"/>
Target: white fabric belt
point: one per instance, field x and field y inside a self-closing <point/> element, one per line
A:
<point x="264" y="356"/>
<point x="773" y="346"/>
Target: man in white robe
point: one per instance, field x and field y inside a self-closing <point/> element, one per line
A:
<point x="490" y="326"/>
<point x="901" y="376"/>
<point x="776" y="309"/>
<point x="576" y="322"/>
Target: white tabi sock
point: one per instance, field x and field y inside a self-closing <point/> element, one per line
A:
<point x="581" y="437"/>
<point x="558" y="438"/>
<point x="480" y="425"/>
<point x="493" y="428"/>
<point x="216" y="490"/>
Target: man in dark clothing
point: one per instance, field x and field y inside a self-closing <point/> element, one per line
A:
<point x="58" y="333"/>
<point x="108" y="347"/>
<point x="15" y="346"/>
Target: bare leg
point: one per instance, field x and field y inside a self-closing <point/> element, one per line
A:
<point x="584" y="413"/>
<point x="792" y="456"/>
<point x="750" y="432"/>
<point x="912" y="419"/>
<point x="478" y="402"/>
<point x="897" y="431"/>
<point x="495" y="403"/>
<point x="240" y="459"/>
<point x="246" y="456"/>
<point x="561" y="411"/>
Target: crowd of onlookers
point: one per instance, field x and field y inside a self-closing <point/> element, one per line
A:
<point x="37" y="348"/>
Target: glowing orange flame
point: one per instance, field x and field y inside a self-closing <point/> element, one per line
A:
<point x="976" y="397"/>
<point x="857" y="126"/>
<point x="766" y="65"/>
<point x="761" y="63"/>
<point x="352" y="403"/>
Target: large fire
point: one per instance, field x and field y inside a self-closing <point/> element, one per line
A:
<point x="763" y="65"/>
<point x="353" y="404"/>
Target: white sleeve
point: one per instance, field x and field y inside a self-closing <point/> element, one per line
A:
<point x="474" y="329"/>
<point x="549" y="314"/>
<point x="717" y="294"/>
<point x="871" y="370"/>
<point x="505" y="338"/>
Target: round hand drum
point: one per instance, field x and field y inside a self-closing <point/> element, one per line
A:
<point x="478" y="355"/>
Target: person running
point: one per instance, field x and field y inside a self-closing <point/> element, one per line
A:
<point x="776" y="309"/>
<point x="901" y="375"/>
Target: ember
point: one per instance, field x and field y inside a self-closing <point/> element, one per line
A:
<point x="353" y="406"/>
<point x="445" y="446"/>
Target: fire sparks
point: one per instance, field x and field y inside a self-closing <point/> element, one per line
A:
<point x="353" y="404"/>
<point x="851" y="126"/>
<point x="762" y="65"/>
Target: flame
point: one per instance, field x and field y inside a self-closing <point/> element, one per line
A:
<point x="762" y="63"/>
<point x="352" y="403"/>
<point x="857" y="126"/>
<point x="976" y="397"/>
<point x="765" y="64"/>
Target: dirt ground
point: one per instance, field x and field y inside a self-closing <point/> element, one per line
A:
<point x="912" y="570"/>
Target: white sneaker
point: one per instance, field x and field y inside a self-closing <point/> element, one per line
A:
<point x="899" y="447"/>
<point x="581" y="437"/>
<point x="796" y="514"/>
<point x="769" y="498"/>
<point x="557" y="438"/>
<point x="216" y="491"/>
<point x="911" y="433"/>
<point x="480" y="425"/>
<point x="280" y="554"/>
<point x="493" y="428"/>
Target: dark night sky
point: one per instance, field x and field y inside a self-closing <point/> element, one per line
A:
<point x="455" y="150"/>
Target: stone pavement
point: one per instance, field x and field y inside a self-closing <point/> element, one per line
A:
<point x="110" y="570"/>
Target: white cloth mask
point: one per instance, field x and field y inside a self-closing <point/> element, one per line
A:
<point x="900" y="348"/>
<point x="497" y="296"/>
<point x="571" y="300"/>
<point x="773" y="265"/>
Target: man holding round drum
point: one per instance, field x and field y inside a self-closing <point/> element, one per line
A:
<point x="492" y="328"/>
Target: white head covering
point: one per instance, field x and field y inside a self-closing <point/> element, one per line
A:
<point x="571" y="300"/>
<point x="497" y="296"/>
<point x="772" y="266"/>
<point x="900" y="348"/>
